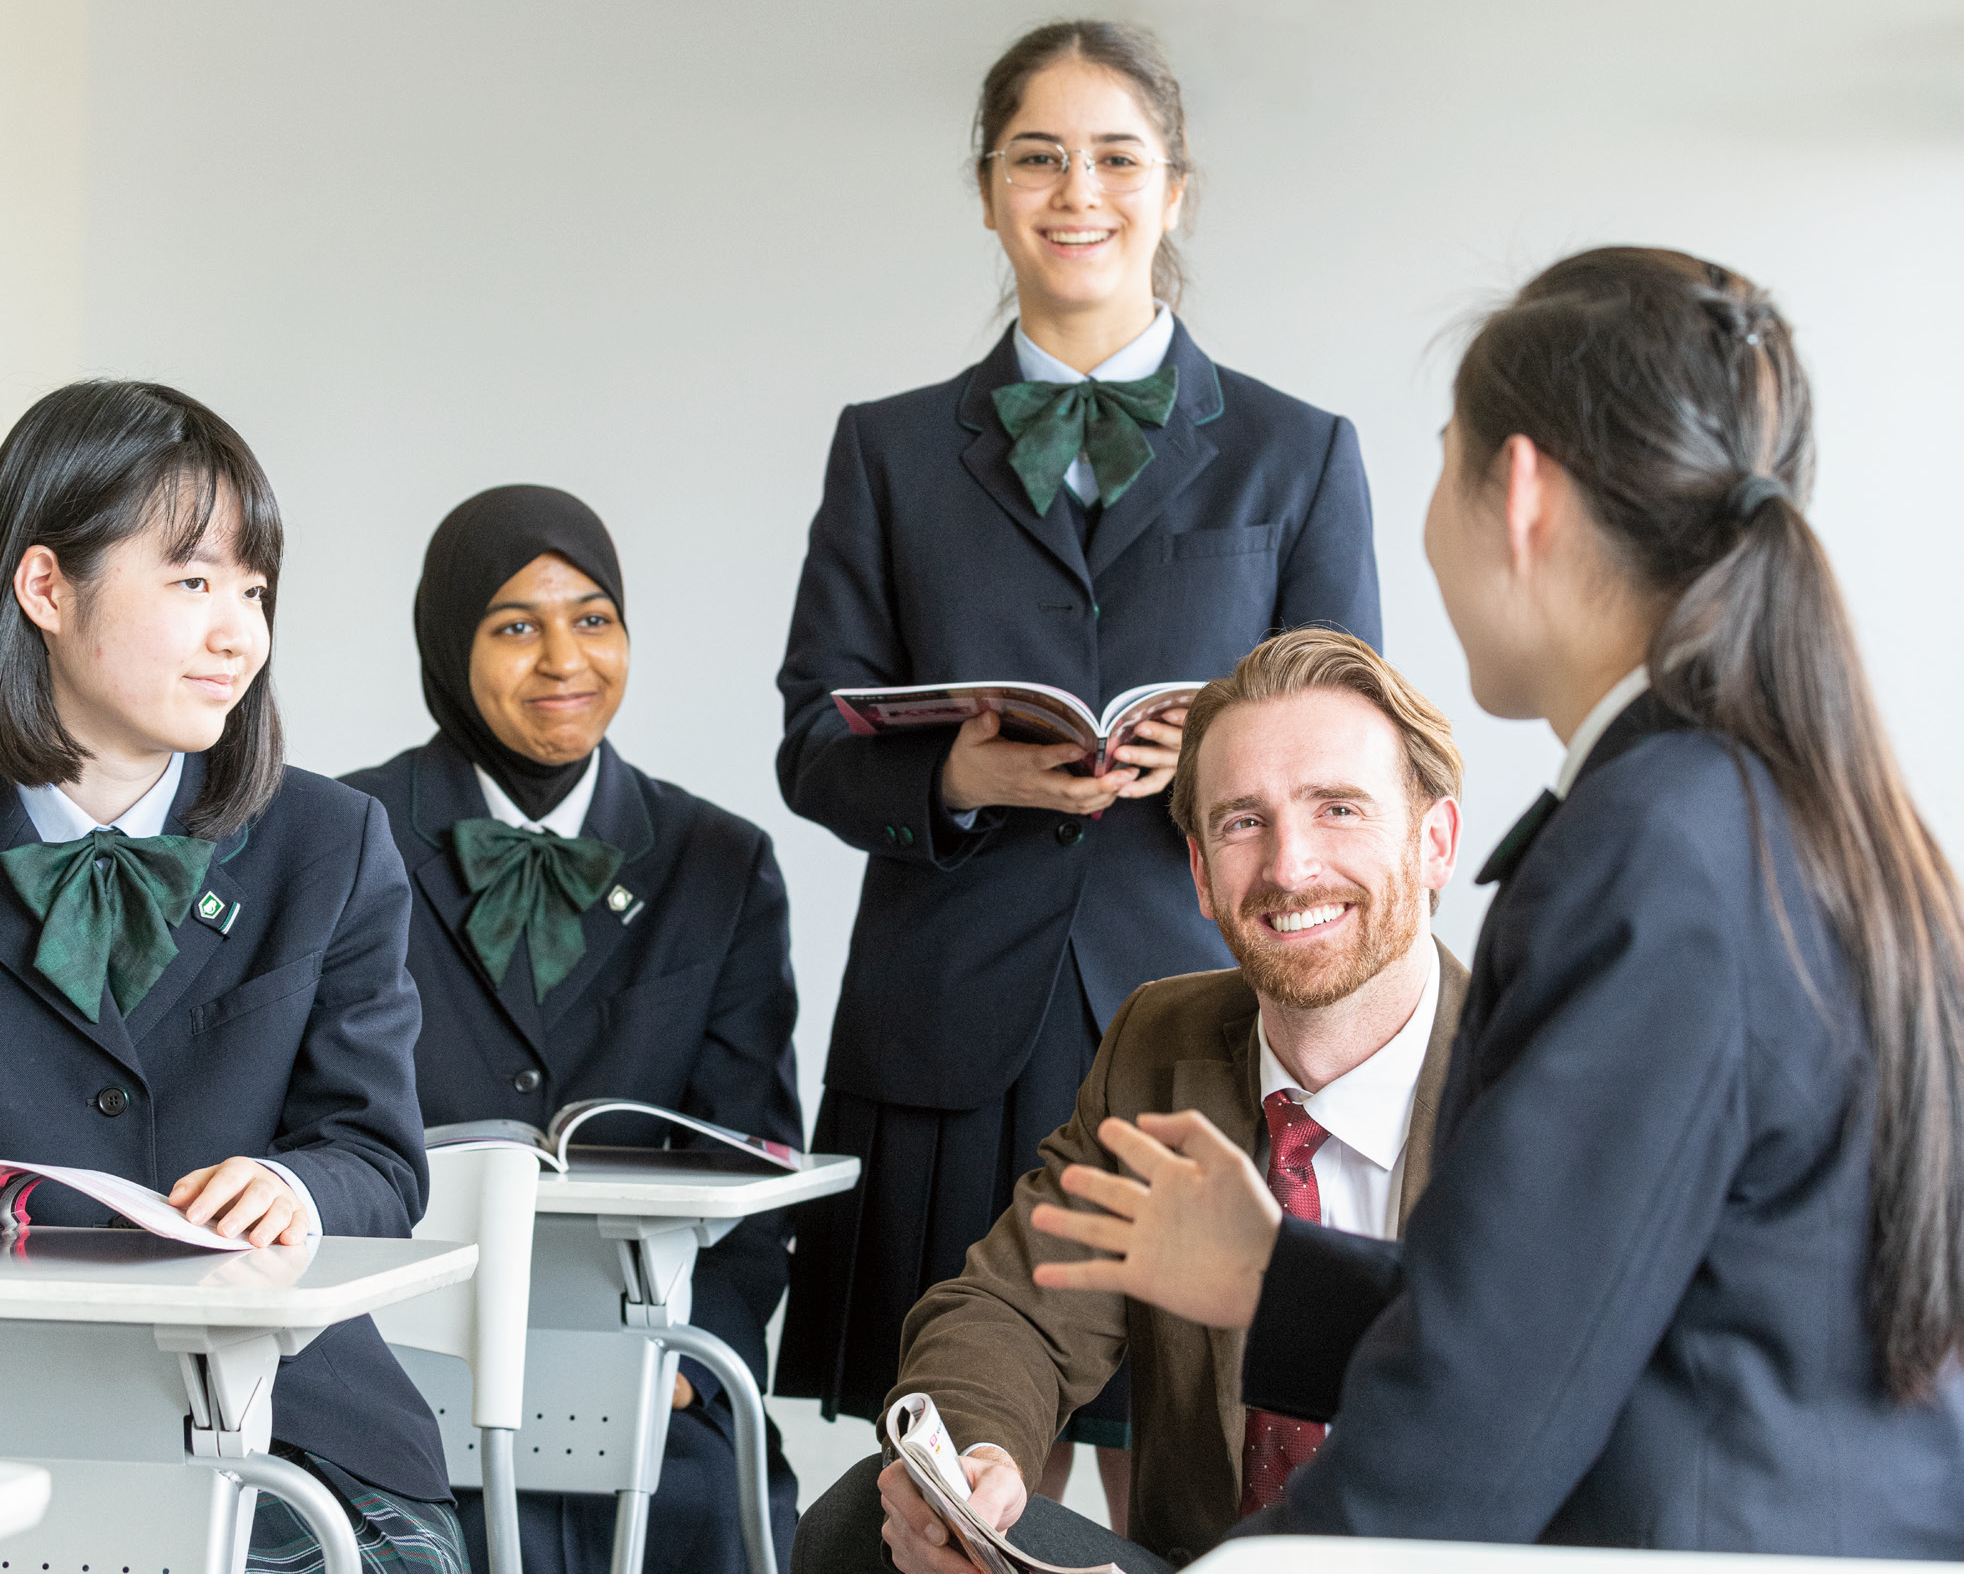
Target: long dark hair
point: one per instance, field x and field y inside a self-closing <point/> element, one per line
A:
<point x="1670" y="391"/>
<point x="92" y="465"/>
<point x="1134" y="54"/>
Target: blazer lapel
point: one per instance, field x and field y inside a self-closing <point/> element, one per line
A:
<point x="1453" y="979"/>
<point x="1227" y="1092"/>
<point x="1180" y="452"/>
<point x="213" y="911"/>
<point x="443" y="791"/>
<point x="618" y="815"/>
<point x="987" y="459"/>
<point x="20" y="936"/>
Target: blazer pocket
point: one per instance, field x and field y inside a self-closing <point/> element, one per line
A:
<point x="1234" y="541"/>
<point x="291" y="978"/>
<point x="638" y="1002"/>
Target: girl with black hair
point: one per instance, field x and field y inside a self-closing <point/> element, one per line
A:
<point x="201" y="950"/>
<point x="1690" y="1268"/>
<point x="581" y="930"/>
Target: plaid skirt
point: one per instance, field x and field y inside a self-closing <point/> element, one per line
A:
<point x="395" y="1535"/>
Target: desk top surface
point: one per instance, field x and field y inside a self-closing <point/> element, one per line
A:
<point x="23" y="1496"/>
<point x="1359" y="1555"/>
<point x="127" y="1276"/>
<point x="652" y="1183"/>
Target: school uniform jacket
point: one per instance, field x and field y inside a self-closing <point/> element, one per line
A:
<point x="1628" y="1310"/>
<point x="928" y="565"/>
<point x="683" y="998"/>
<point x="282" y="1029"/>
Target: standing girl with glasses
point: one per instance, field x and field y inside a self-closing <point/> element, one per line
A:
<point x="202" y="985"/>
<point x="1095" y="505"/>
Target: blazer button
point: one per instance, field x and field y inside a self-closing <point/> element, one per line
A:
<point x="1069" y="833"/>
<point x="112" y="1101"/>
<point x="906" y="837"/>
<point x="528" y="1080"/>
<point x="893" y="836"/>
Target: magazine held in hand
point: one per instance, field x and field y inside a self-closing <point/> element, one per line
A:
<point x="921" y="1442"/>
<point x="1030" y="712"/>
<point x="139" y="1204"/>
<point x="554" y="1144"/>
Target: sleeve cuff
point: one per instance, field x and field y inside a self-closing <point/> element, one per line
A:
<point x="299" y="1188"/>
<point x="1323" y="1289"/>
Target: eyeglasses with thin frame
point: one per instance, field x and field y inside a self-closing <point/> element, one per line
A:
<point x="1032" y="164"/>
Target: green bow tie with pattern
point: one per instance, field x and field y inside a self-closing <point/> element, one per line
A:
<point x="107" y="904"/>
<point x="534" y="883"/>
<point x="1052" y="423"/>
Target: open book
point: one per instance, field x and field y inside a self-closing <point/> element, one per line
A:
<point x="555" y="1142"/>
<point x="139" y="1204"/>
<point x="915" y="1429"/>
<point x="1031" y="713"/>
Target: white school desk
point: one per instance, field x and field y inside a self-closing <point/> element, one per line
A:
<point x="613" y="1251"/>
<point x="1357" y="1555"/>
<point x="109" y="1339"/>
<point x="23" y="1496"/>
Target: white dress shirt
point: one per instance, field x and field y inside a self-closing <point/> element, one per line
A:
<point x="1596" y="723"/>
<point x="1360" y="1168"/>
<point x="58" y="818"/>
<point x="1141" y="358"/>
<point x="564" y="820"/>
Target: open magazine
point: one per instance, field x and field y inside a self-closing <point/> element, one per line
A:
<point x="915" y="1429"/>
<point x="554" y="1144"/>
<point x="139" y="1204"/>
<point x="1031" y="713"/>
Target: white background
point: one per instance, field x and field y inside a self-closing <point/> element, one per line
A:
<point x="645" y="251"/>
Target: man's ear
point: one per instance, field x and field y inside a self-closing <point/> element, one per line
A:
<point x="1197" y="860"/>
<point x="42" y="590"/>
<point x="1438" y="844"/>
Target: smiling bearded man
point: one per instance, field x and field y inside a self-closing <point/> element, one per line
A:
<point x="1318" y="792"/>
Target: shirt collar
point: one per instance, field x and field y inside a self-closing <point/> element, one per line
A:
<point x="563" y="820"/>
<point x="1369" y="1107"/>
<point x="1141" y="358"/>
<point x="58" y="818"/>
<point x="1595" y="724"/>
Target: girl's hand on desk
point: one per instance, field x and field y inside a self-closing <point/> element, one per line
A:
<point x="254" y="1202"/>
<point x="1155" y="756"/>
<point x="984" y="771"/>
<point x="684" y="1395"/>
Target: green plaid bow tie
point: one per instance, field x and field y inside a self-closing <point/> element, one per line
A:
<point x="1053" y="422"/>
<point x="107" y="904"/>
<point x="535" y="883"/>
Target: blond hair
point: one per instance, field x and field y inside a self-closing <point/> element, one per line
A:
<point x="1317" y="658"/>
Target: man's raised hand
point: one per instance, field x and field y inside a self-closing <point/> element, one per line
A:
<point x="1193" y="1234"/>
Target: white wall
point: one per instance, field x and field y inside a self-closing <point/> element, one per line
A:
<point x="645" y="251"/>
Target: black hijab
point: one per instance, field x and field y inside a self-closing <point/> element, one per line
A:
<point x="481" y="544"/>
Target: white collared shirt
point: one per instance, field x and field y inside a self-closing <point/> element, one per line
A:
<point x="565" y="819"/>
<point x="1596" y="723"/>
<point x="58" y="818"/>
<point x="1360" y="1168"/>
<point x="1141" y="358"/>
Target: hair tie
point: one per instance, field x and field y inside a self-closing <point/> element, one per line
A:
<point x="1751" y="493"/>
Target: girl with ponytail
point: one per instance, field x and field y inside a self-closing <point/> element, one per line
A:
<point x="1690" y="1268"/>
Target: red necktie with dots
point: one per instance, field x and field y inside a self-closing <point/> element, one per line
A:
<point x="1273" y="1445"/>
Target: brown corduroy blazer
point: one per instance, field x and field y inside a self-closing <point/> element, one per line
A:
<point x="1007" y="1362"/>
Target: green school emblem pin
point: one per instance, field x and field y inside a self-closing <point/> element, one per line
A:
<point x="618" y="898"/>
<point x="210" y="905"/>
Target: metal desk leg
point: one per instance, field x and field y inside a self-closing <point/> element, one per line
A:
<point x="500" y="1500"/>
<point x="630" y="1532"/>
<point x="309" y="1498"/>
<point x="747" y="1405"/>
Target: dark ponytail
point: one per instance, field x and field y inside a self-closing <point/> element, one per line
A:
<point x="1669" y="389"/>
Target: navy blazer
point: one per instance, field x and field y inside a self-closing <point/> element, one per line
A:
<point x="928" y="565"/>
<point x="285" y="1036"/>
<point x="1629" y="1307"/>
<point x="684" y="997"/>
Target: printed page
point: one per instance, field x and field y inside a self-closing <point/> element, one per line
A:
<point x="573" y="1116"/>
<point x="465" y="1135"/>
<point x="1031" y="712"/>
<point x="139" y="1204"/>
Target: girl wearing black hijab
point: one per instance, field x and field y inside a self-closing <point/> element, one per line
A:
<point x="655" y="965"/>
